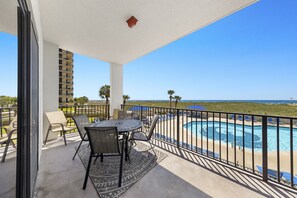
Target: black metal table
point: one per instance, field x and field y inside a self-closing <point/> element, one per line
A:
<point x="124" y="127"/>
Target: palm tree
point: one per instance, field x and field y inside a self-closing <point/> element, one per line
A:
<point x="177" y="99"/>
<point x="104" y="92"/>
<point x="170" y="93"/>
<point x="125" y="99"/>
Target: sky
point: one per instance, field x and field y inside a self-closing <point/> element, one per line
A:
<point x="250" y="55"/>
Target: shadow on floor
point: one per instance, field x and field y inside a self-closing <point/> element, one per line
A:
<point x="239" y="177"/>
<point x="160" y="182"/>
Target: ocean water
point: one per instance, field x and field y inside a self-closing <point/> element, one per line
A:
<point x="253" y="101"/>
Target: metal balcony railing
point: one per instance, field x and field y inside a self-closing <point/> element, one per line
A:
<point x="259" y="144"/>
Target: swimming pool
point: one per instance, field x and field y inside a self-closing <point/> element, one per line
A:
<point x="208" y="128"/>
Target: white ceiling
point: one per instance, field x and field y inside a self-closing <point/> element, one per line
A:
<point x="8" y="16"/>
<point x="98" y="28"/>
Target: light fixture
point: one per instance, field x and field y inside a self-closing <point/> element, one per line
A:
<point x="132" y="21"/>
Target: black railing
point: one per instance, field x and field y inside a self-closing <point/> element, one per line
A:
<point x="6" y="116"/>
<point x="259" y="144"/>
<point x="94" y="112"/>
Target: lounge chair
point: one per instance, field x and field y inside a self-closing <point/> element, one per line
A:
<point x="286" y="177"/>
<point x="247" y="118"/>
<point x="232" y="117"/>
<point x="270" y="121"/>
<point x="239" y="118"/>
<point x="58" y="124"/>
<point x="104" y="140"/>
<point x="81" y="122"/>
<point x="10" y="131"/>
<point x="271" y="173"/>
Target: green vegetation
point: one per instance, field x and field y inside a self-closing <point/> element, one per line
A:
<point x="6" y="101"/>
<point x="81" y="100"/>
<point x="104" y="92"/>
<point x="177" y="99"/>
<point x="125" y="99"/>
<point x="232" y="107"/>
<point x="170" y="93"/>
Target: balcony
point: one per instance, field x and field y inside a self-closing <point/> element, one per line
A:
<point x="201" y="160"/>
<point x="185" y="172"/>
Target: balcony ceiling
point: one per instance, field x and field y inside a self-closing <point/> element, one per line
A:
<point x="98" y="28"/>
<point x="8" y="16"/>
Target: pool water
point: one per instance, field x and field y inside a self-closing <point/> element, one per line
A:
<point x="208" y="128"/>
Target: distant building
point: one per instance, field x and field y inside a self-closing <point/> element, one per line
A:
<point x="65" y="77"/>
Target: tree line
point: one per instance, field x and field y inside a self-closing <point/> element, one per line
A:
<point x="8" y="101"/>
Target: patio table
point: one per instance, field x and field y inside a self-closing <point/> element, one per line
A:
<point x="124" y="126"/>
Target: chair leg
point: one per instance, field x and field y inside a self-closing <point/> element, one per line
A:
<point x="87" y="172"/>
<point x="77" y="149"/>
<point x="126" y="148"/>
<point x="152" y="148"/>
<point x="46" y="136"/>
<point x="13" y="144"/>
<point x="5" y="151"/>
<point x="121" y="166"/>
<point x="101" y="157"/>
<point x="64" y="138"/>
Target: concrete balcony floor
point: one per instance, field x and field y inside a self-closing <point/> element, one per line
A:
<point x="180" y="174"/>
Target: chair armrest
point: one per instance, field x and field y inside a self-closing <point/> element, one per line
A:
<point x="53" y="124"/>
<point x="10" y="134"/>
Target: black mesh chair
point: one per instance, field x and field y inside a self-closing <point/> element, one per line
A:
<point x="144" y="136"/>
<point x="104" y="141"/>
<point x="81" y="122"/>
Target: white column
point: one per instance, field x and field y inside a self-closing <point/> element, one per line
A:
<point x="116" y="86"/>
<point x="50" y="83"/>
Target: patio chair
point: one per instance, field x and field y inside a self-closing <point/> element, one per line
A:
<point x="10" y="131"/>
<point x="104" y="141"/>
<point x="81" y="122"/>
<point x="123" y="114"/>
<point x="58" y="124"/>
<point x="144" y="136"/>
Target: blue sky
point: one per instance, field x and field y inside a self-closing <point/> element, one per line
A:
<point x="248" y="55"/>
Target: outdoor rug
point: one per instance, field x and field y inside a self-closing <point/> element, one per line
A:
<point x="104" y="175"/>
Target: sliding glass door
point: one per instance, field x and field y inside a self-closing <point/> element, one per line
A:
<point x="28" y="97"/>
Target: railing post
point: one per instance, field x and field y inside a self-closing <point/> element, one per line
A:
<point x="177" y="129"/>
<point x="1" y="121"/>
<point x="108" y="111"/>
<point x="264" y="149"/>
<point x="141" y="113"/>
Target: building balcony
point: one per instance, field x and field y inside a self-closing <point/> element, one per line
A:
<point x="185" y="172"/>
<point x="180" y="174"/>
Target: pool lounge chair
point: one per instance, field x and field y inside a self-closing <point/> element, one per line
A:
<point x="239" y="118"/>
<point x="271" y="121"/>
<point x="271" y="173"/>
<point x="247" y="118"/>
<point x="286" y="177"/>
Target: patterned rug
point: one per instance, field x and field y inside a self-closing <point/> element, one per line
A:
<point x="104" y="175"/>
